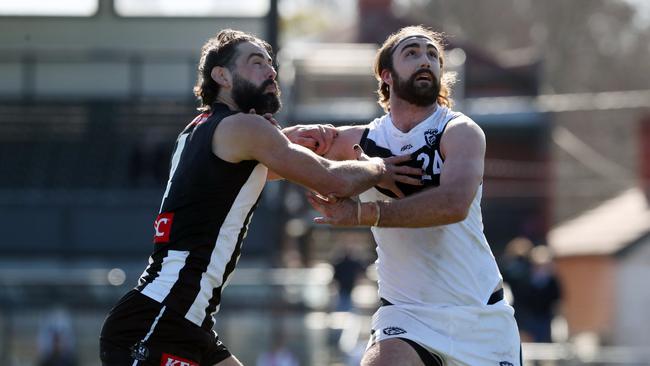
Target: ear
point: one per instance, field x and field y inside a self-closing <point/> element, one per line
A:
<point x="387" y="77"/>
<point x="222" y="76"/>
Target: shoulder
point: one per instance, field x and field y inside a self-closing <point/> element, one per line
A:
<point x="380" y="126"/>
<point x="243" y="136"/>
<point x="245" y="120"/>
<point x="462" y="124"/>
<point x="379" y="122"/>
<point x="462" y="134"/>
<point x="246" y="125"/>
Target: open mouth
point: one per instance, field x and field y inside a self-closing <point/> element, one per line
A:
<point x="424" y="76"/>
<point x="270" y="86"/>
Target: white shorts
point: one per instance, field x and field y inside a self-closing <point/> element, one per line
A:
<point x="460" y="335"/>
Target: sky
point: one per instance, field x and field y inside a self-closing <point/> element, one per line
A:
<point x="202" y="7"/>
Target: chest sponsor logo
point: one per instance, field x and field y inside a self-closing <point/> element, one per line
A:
<point x="505" y="363"/>
<point x="162" y="227"/>
<point x="430" y="136"/>
<point x="171" y="360"/>
<point x="393" y="331"/>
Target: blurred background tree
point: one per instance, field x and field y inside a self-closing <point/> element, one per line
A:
<point x="586" y="45"/>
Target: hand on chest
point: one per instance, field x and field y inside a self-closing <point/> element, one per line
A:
<point x="430" y="161"/>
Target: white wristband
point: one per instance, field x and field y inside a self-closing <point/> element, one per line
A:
<point x="358" y="212"/>
<point x="378" y="209"/>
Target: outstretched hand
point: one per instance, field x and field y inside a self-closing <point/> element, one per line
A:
<point x="394" y="172"/>
<point x="335" y="211"/>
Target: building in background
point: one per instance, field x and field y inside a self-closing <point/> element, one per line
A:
<point x="603" y="259"/>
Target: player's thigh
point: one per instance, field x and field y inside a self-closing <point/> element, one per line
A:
<point x="230" y="361"/>
<point x="391" y="351"/>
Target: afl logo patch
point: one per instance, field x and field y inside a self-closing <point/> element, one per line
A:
<point x="406" y="147"/>
<point x="430" y="136"/>
<point x="393" y="331"/>
<point x="139" y="351"/>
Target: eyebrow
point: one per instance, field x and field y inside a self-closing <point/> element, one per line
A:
<point x="258" y="54"/>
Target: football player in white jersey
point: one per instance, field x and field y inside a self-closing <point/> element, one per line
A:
<point x="442" y="300"/>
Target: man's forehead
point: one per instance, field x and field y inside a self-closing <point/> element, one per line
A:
<point x="246" y="49"/>
<point x="415" y="39"/>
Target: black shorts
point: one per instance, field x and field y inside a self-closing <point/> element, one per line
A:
<point x="141" y="329"/>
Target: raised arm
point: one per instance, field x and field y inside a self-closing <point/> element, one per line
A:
<point x="342" y="145"/>
<point x="317" y="138"/>
<point x="249" y="137"/>
<point x="333" y="143"/>
<point x="463" y="147"/>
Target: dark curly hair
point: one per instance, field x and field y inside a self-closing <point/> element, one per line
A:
<point x="220" y="50"/>
<point x="384" y="60"/>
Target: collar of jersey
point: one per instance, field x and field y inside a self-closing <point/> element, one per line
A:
<point x="397" y="133"/>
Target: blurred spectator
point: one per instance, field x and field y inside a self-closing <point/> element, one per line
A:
<point x="528" y="270"/>
<point x="515" y="268"/>
<point x="278" y="355"/>
<point x="347" y="270"/>
<point x="541" y="296"/>
<point x="56" y="341"/>
<point x="516" y="273"/>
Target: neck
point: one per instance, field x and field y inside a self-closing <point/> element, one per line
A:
<point x="406" y="116"/>
<point x="227" y="100"/>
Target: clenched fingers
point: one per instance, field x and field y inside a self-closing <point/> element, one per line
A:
<point x="307" y="142"/>
<point x="325" y="137"/>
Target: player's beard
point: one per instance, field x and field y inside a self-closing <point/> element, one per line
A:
<point x="422" y="96"/>
<point x="247" y="96"/>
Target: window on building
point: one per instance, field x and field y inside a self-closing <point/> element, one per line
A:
<point x="192" y="8"/>
<point x="59" y="8"/>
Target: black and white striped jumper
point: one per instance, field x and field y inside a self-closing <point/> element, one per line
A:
<point x="204" y="216"/>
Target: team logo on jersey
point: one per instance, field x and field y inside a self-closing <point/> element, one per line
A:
<point x="430" y="136"/>
<point x="393" y="331"/>
<point x="171" y="360"/>
<point x="505" y="363"/>
<point x="162" y="227"/>
<point x="139" y="351"/>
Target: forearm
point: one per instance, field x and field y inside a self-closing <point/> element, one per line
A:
<point x="358" y="176"/>
<point x="433" y="207"/>
<point x="290" y="133"/>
